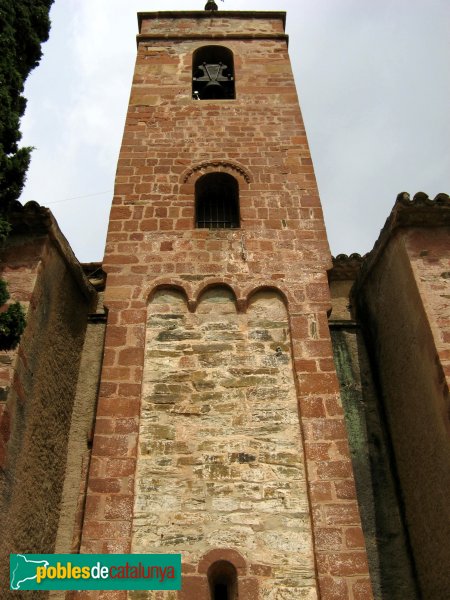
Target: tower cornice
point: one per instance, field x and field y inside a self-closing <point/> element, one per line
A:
<point x="201" y="14"/>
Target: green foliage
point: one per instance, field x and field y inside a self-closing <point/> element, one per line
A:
<point x="4" y="295"/>
<point x="24" y="25"/>
<point x="12" y="320"/>
<point x="12" y="324"/>
<point x="12" y="174"/>
<point x="5" y="229"/>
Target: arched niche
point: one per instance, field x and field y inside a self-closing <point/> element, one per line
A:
<point x="164" y="294"/>
<point x="217" y="300"/>
<point x="264" y="299"/>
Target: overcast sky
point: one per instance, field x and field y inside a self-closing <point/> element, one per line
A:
<point x="373" y="77"/>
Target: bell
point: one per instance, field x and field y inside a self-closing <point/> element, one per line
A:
<point x="211" y="5"/>
<point x="213" y="90"/>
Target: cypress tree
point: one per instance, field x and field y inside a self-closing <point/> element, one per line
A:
<point x="24" y="26"/>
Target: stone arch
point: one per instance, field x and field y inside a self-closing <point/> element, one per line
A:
<point x="167" y="287"/>
<point x="215" y="283"/>
<point x="221" y="295"/>
<point x="165" y="302"/>
<point x="229" y="555"/>
<point x="169" y="284"/>
<point x="232" y="167"/>
<point x="241" y="302"/>
<point x="269" y="289"/>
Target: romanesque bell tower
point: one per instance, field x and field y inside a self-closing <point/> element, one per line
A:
<point x="219" y="431"/>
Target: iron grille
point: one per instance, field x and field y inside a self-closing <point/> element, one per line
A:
<point x="217" y="202"/>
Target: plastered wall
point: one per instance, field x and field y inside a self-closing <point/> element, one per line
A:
<point x="38" y="408"/>
<point x="403" y="303"/>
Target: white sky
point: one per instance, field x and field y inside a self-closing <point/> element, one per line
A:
<point x="373" y="78"/>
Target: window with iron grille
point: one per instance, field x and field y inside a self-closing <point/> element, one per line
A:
<point x="213" y="73"/>
<point x="217" y="201"/>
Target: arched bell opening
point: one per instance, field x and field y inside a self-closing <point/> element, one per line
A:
<point x="222" y="580"/>
<point x="213" y="74"/>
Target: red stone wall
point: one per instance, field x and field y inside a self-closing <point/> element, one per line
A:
<point x="429" y="252"/>
<point x="169" y="141"/>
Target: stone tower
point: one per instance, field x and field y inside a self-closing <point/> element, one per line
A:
<point x="219" y="430"/>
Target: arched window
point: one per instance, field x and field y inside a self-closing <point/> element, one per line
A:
<point x="222" y="579"/>
<point x="213" y="73"/>
<point x="217" y="201"/>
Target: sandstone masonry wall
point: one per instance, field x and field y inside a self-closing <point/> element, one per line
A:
<point x="171" y="140"/>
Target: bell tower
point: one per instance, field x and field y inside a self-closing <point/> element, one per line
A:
<point x="219" y="431"/>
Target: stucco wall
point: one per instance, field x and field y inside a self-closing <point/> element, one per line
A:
<point x="39" y="404"/>
<point x="400" y="304"/>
